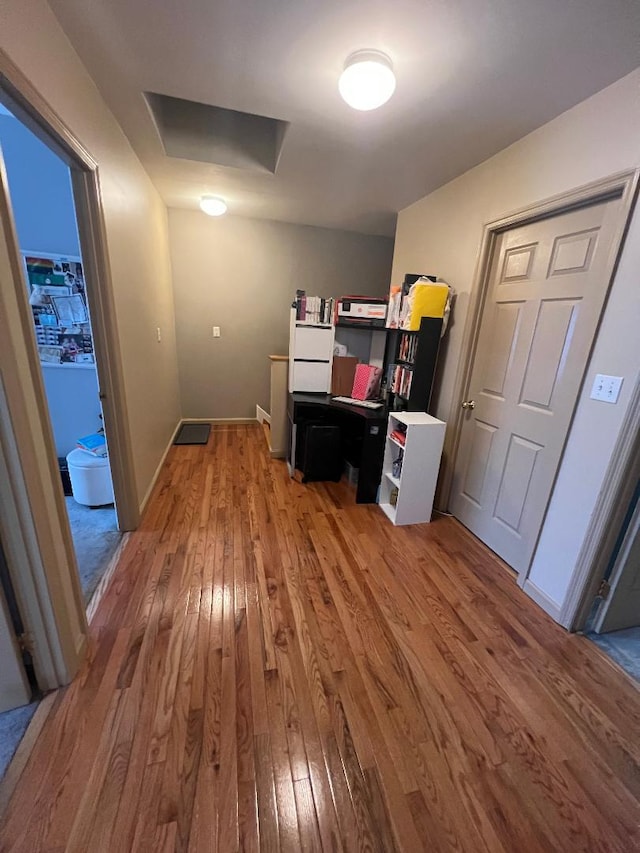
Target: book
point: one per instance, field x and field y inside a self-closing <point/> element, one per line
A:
<point x="94" y="443"/>
<point x="313" y="310"/>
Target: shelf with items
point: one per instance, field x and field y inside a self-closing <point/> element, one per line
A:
<point x="408" y="347"/>
<point x="315" y="311"/>
<point x="59" y="309"/>
<point x="393" y="480"/>
<point x="365" y="325"/>
<point x="401" y="381"/>
<point x="394" y="441"/>
<point x="411" y="379"/>
<point x="410" y="471"/>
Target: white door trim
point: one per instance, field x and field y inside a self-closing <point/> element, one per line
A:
<point x="622" y="185"/>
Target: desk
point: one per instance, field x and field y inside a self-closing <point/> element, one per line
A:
<point x="364" y="428"/>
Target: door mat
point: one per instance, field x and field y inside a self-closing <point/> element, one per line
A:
<point x="193" y="434"/>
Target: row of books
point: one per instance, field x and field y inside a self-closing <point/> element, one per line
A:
<point x="408" y="347"/>
<point x="313" y="310"/>
<point x="401" y="382"/>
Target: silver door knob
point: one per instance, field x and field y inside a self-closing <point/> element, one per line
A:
<point x="469" y="404"/>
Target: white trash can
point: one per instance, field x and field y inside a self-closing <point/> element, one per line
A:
<point x="90" y="478"/>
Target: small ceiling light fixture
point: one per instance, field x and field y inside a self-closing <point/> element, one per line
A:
<point x="212" y="206"/>
<point x="367" y="81"/>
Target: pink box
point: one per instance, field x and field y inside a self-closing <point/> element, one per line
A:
<point x="366" y="382"/>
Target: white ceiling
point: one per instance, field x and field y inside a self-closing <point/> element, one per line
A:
<point x="472" y="77"/>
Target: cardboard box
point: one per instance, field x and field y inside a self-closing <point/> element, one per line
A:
<point x="344" y="370"/>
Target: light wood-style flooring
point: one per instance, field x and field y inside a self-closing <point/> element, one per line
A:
<point x="275" y="668"/>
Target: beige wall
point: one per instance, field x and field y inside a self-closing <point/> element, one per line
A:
<point x="242" y="274"/>
<point x="442" y="234"/>
<point x="136" y="223"/>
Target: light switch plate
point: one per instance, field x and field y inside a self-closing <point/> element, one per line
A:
<point x="216" y="331"/>
<point x="606" y="388"/>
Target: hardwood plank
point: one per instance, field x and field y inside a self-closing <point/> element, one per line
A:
<point x="266" y="795"/>
<point x="275" y="668"/>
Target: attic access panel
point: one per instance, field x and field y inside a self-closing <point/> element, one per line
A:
<point x="209" y="134"/>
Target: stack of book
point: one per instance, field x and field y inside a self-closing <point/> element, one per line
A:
<point x="408" y="348"/>
<point x="313" y="310"/>
<point x="401" y="382"/>
<point x="94" y="443"/>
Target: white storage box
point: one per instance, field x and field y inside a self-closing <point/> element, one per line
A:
<point x="90" y="478"/>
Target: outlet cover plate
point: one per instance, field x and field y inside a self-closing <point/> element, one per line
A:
<point x="606" y="388"/>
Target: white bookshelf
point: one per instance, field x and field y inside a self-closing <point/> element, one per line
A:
<point x="421" y="462"/>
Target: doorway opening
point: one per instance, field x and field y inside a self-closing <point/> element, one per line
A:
<point x="44" y="213"/>
<point x="42" y="203"/>
<point x="614" y="622"/>
<point x="41" y="576"/>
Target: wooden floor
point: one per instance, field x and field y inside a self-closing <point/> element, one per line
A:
<point x="275" y="668"/>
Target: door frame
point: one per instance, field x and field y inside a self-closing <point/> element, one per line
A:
<point x="620" y="481"/>
<point x="622" y="185"/>
<point x="46" y="583"/>
<point x="35" y="113"/>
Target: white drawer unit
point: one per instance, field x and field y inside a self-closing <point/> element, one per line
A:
<point x="310" y="356"/>
<point x="314" y="343"/>
<point x="406" y="497"/>
<point x="311" y="376"/>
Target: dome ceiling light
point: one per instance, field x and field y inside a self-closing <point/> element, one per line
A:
<point x="367" y="81"/>
<point x="212" y="205"/>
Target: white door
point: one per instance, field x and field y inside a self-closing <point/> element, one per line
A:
<point x="14" y="688"/>
<point x="548" y="282"/>
<point x="622" y="607"/>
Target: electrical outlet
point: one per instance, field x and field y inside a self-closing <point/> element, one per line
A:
<point x="216" y="331"/>
<point x="606" y="388"/>
<point x="159" y="334"/>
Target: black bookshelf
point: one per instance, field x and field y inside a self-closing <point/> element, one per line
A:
<point x="415" y="374"/>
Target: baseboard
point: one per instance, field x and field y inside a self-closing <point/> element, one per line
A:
<point x="221" y="421"/>
<point x="154" y="479"/>
<point x="101" y="589"/>
<point x="542" y="600"/>
<point x="278" y="454"/>
<point x="262" y="416"/>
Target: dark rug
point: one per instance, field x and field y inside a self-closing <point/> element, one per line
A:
<point x="193" y="434"/>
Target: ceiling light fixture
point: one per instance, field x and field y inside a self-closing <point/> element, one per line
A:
<point x="367" y="81"/>
<point x="212" y="206"/>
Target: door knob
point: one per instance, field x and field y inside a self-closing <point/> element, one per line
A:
<point x="469" y="404"/>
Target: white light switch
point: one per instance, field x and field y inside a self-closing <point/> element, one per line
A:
<point x="216" y="331"/>
<point x="158" y="332"/>
<point x="606" y="388"/>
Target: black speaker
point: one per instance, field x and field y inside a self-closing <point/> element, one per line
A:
<point x="322" y="454"/>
